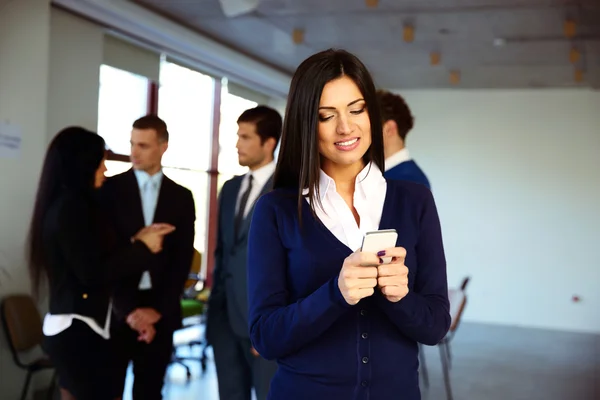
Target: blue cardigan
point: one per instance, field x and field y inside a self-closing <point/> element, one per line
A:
<point x="408" y="171"/>
<point x="326" y="348"/>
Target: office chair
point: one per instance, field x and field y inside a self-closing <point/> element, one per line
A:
<point x="193" y="304"/>
<point x="23" y="326"/>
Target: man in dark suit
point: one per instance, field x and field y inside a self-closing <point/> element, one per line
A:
<point x="150" y="302"/>
<point x="397" y="122"/>
<point x="239" y="366"/>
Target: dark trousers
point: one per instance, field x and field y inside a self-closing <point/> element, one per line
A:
<point x="150" y="361"/>
<point x="238" y="371"/>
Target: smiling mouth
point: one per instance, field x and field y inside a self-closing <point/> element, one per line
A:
<point x="346" y="145"/>
<point x="347" y="142"/>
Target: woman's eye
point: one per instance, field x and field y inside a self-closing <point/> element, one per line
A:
<point x="356" y="112"/>
<point x="324" y="118"/>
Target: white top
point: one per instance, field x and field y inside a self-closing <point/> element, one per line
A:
<point x="55" y="324"/>
<point x="397" y="158"/>
<point x="260" y="178"/>
<point x="369" y="198"/>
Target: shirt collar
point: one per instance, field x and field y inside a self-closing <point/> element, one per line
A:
<point x="397" y="158"/>
<point x="143" y="177"/>
<point x="367" y="181"/>
<point x="262" y="174"/>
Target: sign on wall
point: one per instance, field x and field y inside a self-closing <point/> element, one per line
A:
<point x="10" y="140"/>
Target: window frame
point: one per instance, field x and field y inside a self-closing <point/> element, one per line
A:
<point x="213" y="172"/>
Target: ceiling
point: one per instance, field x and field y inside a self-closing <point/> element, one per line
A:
<point x="490" y="43"/>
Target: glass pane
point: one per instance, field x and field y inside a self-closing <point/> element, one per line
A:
<point x="116" y="167"/>
<point x="231" y="108"/>
<point x="123" y="99"/>
<point x="185" y="101"/>
<point x="221" y="179"/>
<point x="197" y="182"/>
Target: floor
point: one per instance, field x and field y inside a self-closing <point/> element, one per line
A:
<point x="488" y="363"/>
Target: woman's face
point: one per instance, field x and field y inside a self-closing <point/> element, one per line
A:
<point x="99" y="178"/>
<point x="344" y="129"/>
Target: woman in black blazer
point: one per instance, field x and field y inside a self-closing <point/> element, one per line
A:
<point x="71" y="245"/>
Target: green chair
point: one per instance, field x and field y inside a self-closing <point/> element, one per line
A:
<point x="193" y="304"/>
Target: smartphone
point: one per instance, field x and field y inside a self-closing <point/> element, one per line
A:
<point x="376" y="241"/>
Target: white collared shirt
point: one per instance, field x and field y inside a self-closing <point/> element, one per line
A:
<point x="149" y="199"/>
<point x="369" y="198"/>
<point x="259" y="179"/>
<point x="397" y="158"/>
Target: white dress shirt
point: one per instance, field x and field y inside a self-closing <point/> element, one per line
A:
<point x="149" y="189"/>
<point x="149" y="186"/>
<point x="369" y="197"/>
<point x="259" y="178"/>
<point x="397" y="158"/>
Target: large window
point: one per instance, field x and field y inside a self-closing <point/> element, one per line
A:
<point x="123" y="99"/>
<point x="185" y="102"/>
<point x="114" y="167"/>
<point x="184" y="98"/>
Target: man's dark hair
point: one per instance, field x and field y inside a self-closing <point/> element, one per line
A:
<point x="393" y="107"/>
<point x="267" y="120"/>
<point x="153" y="122"/>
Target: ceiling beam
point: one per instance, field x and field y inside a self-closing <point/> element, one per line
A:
<point x="165" y="35"/>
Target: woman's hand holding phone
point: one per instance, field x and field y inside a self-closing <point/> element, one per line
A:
<point x="358" y="276"/>
<point x="392" y="278"/>
<point x="372" y="267"/>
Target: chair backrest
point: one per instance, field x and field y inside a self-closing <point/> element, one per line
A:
<point x="22" y="323"/>
<point x="458" y="301"/>
<point x="194" y="269"/>
<point x="464" y="284"/>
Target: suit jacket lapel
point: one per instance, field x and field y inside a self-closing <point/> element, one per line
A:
<point x="245" y="226"/>
<point x="132" y="194"/>
<point x="228" y="212"/>
<point x="163" y="201"/>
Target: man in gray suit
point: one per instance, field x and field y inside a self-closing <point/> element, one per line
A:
<point x="239" y="367"/>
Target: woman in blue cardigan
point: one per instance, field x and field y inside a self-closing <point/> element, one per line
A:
<point x="341" y="323"/>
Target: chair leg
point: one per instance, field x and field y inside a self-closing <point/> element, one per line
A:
<point x="445" y="369"/>
<point x="203" y="358"/>
<point x="26" y="386"/>
<point x="423" y="365"/>
<point x="52" y="388"/>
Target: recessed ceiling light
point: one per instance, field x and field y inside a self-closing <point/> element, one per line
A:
<point x="499" y="42"/>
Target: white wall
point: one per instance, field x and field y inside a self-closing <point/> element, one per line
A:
<point x="24" y="49"/>
<point x="278" y="104"/>
<point x="516" y="176"/>
<point x="76" y="54"/>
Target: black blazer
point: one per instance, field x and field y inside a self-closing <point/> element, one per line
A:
<point x="170" y="268"/>
<point x="83" y="262"/>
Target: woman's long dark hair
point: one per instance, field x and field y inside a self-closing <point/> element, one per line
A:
<point x="71" y="162"/>
<point x="298" y="164"/>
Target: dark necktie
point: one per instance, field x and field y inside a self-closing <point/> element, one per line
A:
<point x="239" y="217"/>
